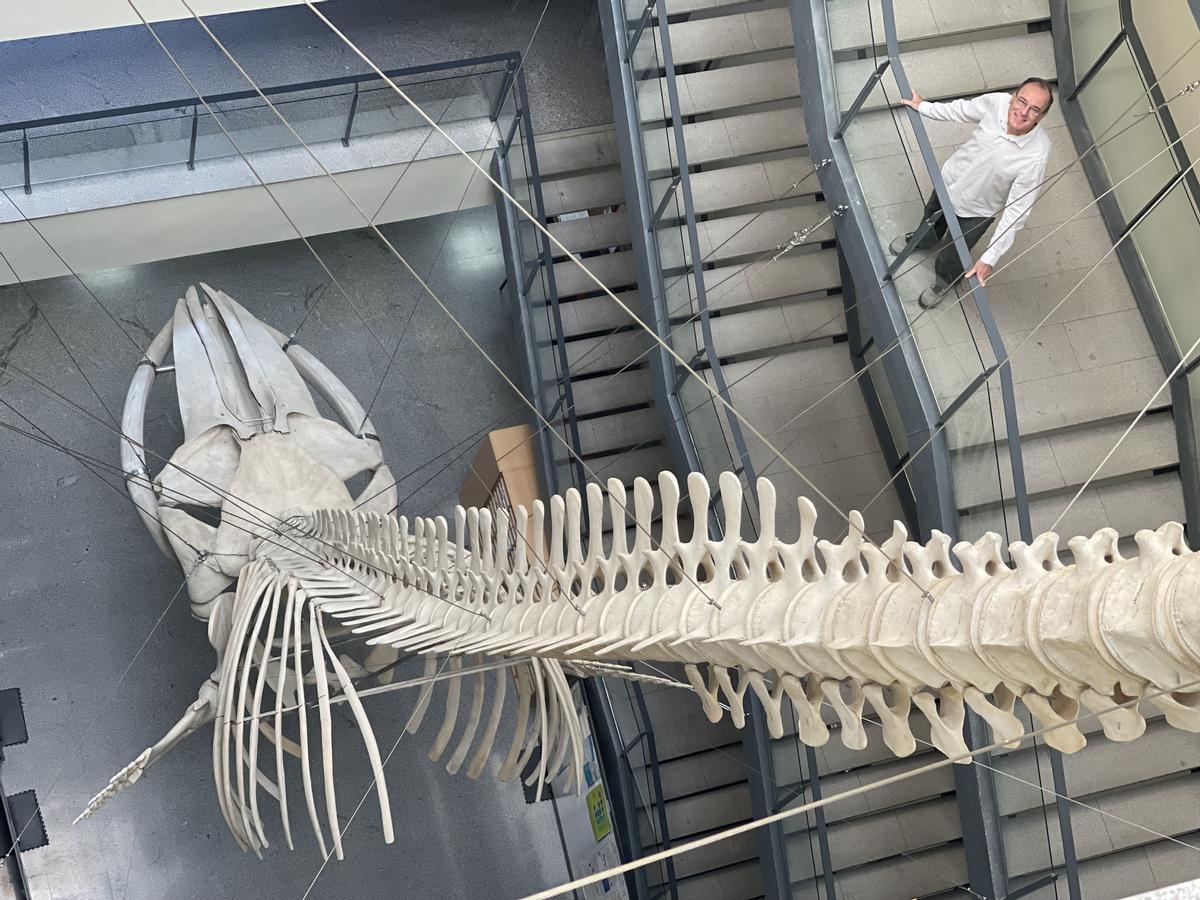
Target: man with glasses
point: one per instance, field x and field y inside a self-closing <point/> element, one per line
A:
<point x="1000" y="167"/>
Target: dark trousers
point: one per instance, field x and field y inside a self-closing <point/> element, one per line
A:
<point x="947" y="267"/>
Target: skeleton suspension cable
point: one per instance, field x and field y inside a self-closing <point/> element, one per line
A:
<point x="1009" y="353"/>
<point x="909" y="332"/>
<point x="454" y="319"/>
<point x="859" y="790"/>
<point x="304" y="239"/>
<point x="424" y="284"/>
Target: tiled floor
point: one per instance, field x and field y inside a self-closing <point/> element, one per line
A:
<point x="123" y="66"/>
<point x="83" y="585"/>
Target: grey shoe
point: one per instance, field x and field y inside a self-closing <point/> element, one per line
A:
<point x="932" y="295"/>
<point x="896" y="247"/>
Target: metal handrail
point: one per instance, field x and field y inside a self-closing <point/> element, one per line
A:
<point x="511" y="58"/>
<point x="1007" y="394"/>
<point x="1118" y="224"/>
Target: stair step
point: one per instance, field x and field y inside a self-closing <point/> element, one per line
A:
<point x="1127" y="506"/>
<point x="615" y="271"/>
<point x="607" y="433"/>
<point x="587" y="315"/>
<point x="1063" y="460"/>
<point x="757" y="236"/>
<point x="572" y="193"/>
<point x="745" y="134"/>
<point x="760" y="182"/>
<point x="562" y="153"/>
<point x="957" y="70"/>
<point x="736" y="34"/>
<point x="797" y="273"/>
<point x="850" y="29"/>
<point x="597" y="395"/>
<point x="591" y="232"/>
<point x="728" y="88"/>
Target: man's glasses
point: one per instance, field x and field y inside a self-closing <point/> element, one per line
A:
<point x="1023" y="104"/>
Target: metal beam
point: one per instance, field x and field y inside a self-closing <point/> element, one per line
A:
<point x="857" y="240"/>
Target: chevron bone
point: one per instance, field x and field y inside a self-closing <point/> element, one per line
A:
<point x="814" y="622"/>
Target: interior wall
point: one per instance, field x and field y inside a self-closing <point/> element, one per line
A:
<point x="28" y="20"/>
<point x="222" y="220"/>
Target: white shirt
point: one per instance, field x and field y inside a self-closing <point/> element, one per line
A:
<point x="993" y="170"/>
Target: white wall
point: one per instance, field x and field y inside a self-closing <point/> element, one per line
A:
<point x="222" y="220"/>
<point x="36" y="18"/>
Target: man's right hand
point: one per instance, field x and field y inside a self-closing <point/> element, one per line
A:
<point x="914" y="103"/>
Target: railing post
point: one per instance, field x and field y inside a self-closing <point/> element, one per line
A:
<point x="350" y="116"/>
<point x="191" y="160"/>
<point x="25" y="160"/>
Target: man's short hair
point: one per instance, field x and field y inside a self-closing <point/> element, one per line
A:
<point x="1044" y="85"/>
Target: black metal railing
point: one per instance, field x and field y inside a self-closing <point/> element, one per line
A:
<point x="1144" y="177"/>
<point x="533" y="300"/>
<point x="703" y="434"/>
<point x="961" y="409"/>
<point x="341" y="112"/>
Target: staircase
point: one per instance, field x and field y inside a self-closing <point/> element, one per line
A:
<point x="1087" y="372"/>
<point x="780" y="333"/>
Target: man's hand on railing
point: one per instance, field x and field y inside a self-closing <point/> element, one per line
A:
<point x="980" y="270"/>
<point x="914" y="103"/>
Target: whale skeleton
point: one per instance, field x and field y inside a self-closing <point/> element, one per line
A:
<point x="298" y="572"/>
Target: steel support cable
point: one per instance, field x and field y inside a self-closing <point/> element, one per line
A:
<point x="281" y="530"/>
<point x="943" y="309"/>
<point x="1052" y="179"/>
<point x="857" y="791"/>
<point x="462" y="80"/>
<point x="58" y="337"/>
<point x="975" y="762"/>
<point x="604" y="337"/>
<point x="538" y="225"/>
<point x="445" y="309"/>
<point x="1008" y="355"/>
<point x="591" y="276"/>
<point x="289" y="219"/>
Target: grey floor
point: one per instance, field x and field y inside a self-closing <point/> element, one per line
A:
<point x="83" y="585"/>
<point x="123" y="66"/>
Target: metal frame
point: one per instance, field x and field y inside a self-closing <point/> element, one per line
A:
<point x="744" y="465"/>
<point x="929" y="473"/>
<point x="919" y="412"/>
<point x="1008" y="397"/>
<point x="643" y="217"/>
<point x="19" y="130"/>
<point x="1115" y="222"/>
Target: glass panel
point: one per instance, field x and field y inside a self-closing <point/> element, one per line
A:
<point x="950" y="338"/>
<point x="1029" y="816"/>
<point x="108" y="145"/>
<point x="1170" y="225"/>
<point x="1169" y="33"/>
<point x="1114" y="104"/>
<point x="460" y="101"/>
<point x="1094" y="24"/>
<point x="12" y="168"/>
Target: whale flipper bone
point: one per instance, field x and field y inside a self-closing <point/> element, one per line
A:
<point x="737" y="697"/>
<point x="771" y="700"/>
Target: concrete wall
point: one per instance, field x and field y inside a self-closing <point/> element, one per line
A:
<point x="66" y="16"/>
<point x="222" y="220"/>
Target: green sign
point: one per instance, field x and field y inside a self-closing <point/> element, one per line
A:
<point x="598" y="812"/>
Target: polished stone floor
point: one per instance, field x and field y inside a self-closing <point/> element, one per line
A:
<point x="123" y="66"/>
<point x="83" y="586"/>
